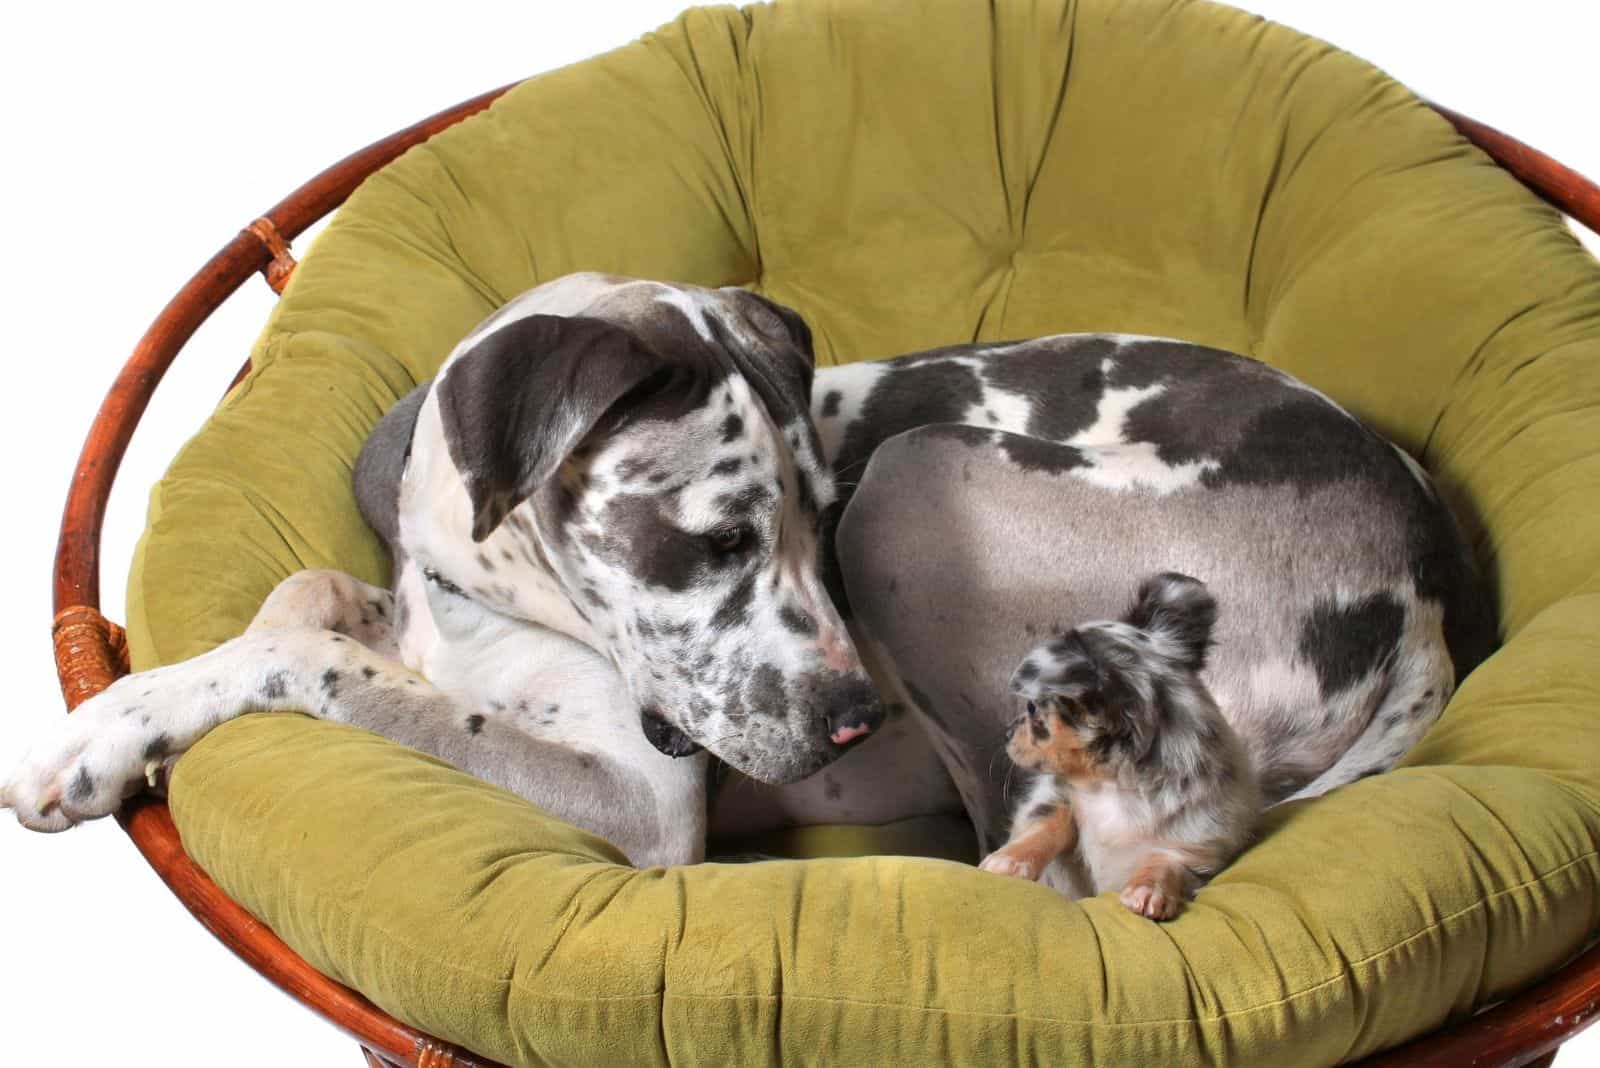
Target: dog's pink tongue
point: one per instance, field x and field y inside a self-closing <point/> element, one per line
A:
<point x="849" y="734"/>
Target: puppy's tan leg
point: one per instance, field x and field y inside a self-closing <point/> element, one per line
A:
<point x="1037" y="838"/>
<point x="1159" y="886"/>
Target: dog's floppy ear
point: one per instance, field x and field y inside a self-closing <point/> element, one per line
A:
<point x="1177" y="610"/>
<point x="782" y="376"/>
<point x="518" y="402"/>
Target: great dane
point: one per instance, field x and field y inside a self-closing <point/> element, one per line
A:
<point x="630" y="525"/>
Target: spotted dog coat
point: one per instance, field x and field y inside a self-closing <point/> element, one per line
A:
<point x="627" y="485"/>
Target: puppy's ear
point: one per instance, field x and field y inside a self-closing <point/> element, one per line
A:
<point x="782" y="375"/>
<point x="517" y="404"/>
<point x="1178" y="612"/>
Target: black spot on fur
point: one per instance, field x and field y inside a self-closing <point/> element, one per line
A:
<point x="475" y="724"/>
<point x="330" y="682"/>
<point x="910" y="395"/>
<point x="369" y="673"/>
<point x="640" y="540"/>
<point x="797" y="621"/>
<point x="1042" y="811"/>
<point x="1032" y="454"/>
<point x="830" y="403"/>
<point x="735" y="608"/>
<point x="725" y="467"/>
<point x="764" y="696"/>
<point x="159" y="747"/>
<point x="275" y="686"/>
<point x="1038" y="372"/>
<point x="732" y="428"/>
<point x="82" y="787"/>
<point x="1346" y="644"/>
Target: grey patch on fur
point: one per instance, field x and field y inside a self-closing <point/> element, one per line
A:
<point x="275" y="686"/>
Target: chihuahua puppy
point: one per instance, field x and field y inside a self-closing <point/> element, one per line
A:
<point x="1135" y="764"/>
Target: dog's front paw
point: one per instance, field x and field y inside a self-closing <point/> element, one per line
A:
<point x="89" y="763"/>
<point x="1153" y="898"/>
<point x="1002" y="863"/>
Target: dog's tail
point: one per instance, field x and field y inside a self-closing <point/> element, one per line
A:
<point x="1419" y="680"/>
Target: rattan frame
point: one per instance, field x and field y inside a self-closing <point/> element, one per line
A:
<point x="91" y="652"/>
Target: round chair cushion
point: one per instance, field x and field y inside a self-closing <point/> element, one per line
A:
<point x="908" y="177"/>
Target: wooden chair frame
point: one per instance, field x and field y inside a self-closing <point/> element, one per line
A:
<point x="91" y="652"/>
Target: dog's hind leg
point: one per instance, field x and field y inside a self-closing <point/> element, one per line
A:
<point x="331" y="600"/>
<point x="1405" y="702"/>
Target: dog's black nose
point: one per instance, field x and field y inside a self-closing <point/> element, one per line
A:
<point x="664" y="736"/>
<point x="854" y="711"/>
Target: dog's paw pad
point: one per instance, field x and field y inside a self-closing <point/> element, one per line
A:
<point x="1006" y="864"/>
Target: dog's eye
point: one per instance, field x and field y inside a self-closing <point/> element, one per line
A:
<point x="443" y="583"/>
<point x="1033" y="710"/>
<point x="728" y="539"/>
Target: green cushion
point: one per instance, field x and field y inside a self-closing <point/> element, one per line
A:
<point x="907" y="176"/>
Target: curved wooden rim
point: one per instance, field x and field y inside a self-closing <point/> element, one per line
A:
<point x="90" y="654"/>
<point x="87" y="656"/>
<point x="1564" y="188"/>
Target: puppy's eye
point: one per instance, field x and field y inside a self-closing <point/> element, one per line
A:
<point x="728" y="539"/>
<point x="1033" y="710"/>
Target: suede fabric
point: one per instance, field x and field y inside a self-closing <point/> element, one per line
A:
<point x="907" y="176"/>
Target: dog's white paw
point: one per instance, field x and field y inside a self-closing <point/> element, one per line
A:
<point x="1001" y="863"/>
<point x="1152" y="900"/>
<point x="86" y="765"/>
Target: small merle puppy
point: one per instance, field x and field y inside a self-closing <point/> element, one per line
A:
<point x="1136" y="765"/>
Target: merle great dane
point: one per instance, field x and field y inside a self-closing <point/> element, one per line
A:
<point x="630" y="527"/>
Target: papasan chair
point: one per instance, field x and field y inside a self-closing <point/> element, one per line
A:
<point x="906" y="176"/>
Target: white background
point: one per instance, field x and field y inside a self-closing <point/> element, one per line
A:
<point x="139" y="139"/>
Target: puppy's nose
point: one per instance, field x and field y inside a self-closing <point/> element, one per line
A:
<point x="854" y="712"/>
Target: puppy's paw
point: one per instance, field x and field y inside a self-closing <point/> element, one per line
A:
<point x="88" y="763"/>
<point x="1003" y="863"/>
<point x="1152" y="899"/>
